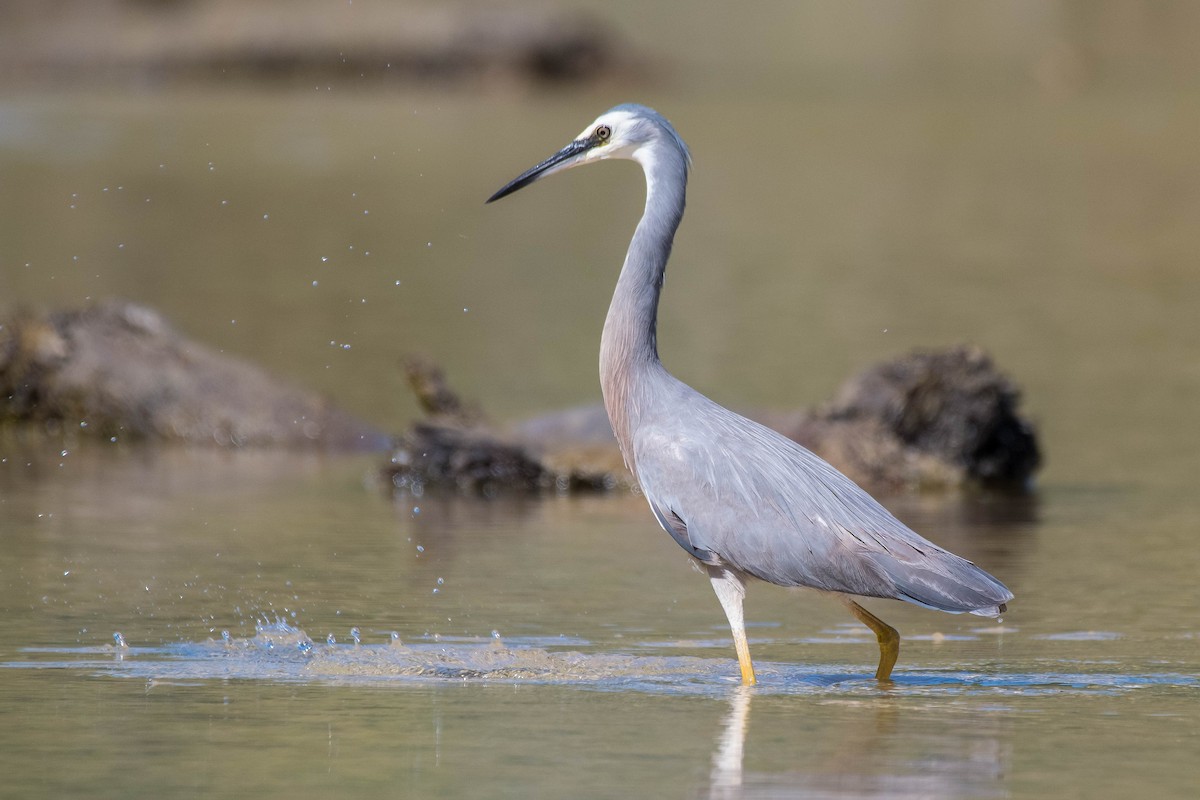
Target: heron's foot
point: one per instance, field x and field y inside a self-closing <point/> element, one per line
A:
<point x="888" y="637"/>
<point x="889" y="651"/>
<point x="748" y="678"/>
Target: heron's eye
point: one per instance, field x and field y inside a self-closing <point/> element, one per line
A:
<point x="603" y="133"/>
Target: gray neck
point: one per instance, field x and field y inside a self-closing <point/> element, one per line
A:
<point x="628" y="346"/>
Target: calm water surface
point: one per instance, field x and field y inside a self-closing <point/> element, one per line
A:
<point x="565" y="647"/>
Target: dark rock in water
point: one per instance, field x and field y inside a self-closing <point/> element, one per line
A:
<point x="443" y="453"/>
<point x="456" y="447"/>
<point x="936" y="419"/>
<point x="118" y="369"/>
<point x="470" y="459"/>
<point x="951" y="406"/>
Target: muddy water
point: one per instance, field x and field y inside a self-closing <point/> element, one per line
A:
<point x="566" y="647"/>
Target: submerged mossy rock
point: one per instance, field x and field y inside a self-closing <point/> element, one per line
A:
<point x="118" y="369"/>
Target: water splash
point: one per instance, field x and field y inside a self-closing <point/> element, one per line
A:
<point x="356" y="636"/>
<point x="269" y="635"/>
<point x="281" y="652"/>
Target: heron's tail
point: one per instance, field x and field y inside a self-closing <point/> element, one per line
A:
<point x="946" y="583"/>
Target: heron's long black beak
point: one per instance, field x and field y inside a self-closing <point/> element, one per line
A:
<point x="559" y="159"/>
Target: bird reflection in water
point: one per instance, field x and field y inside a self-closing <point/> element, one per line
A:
<point x="878" y="757"/>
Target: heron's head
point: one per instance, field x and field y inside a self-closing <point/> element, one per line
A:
<point x="627" y="131"/>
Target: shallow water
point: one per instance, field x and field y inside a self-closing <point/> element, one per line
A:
<point x="562" y="647"/>
<point x="565" y="646"/>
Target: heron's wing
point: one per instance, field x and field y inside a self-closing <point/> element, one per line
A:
<point x="729" y="489"/>
<point x="674" y="525"/>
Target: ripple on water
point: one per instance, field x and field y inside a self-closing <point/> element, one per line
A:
<point x="280" y="652"/>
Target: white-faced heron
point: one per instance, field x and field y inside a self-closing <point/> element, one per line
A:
<point x="742" y="499"/>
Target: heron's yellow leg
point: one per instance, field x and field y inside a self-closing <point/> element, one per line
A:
<point x="743" y="653"/>
<point x="889" y="640"/>
<point x="731" y="591"/>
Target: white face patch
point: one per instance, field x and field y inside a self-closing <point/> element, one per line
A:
<point x="618" y="121"/>
<point x="627" y="136"/>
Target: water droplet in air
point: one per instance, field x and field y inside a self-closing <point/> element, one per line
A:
<point x="226" y="638"/>
<point x="329" y="640"/>
<point x="441" y="581"/>
<point x="495" y="634"/>
<point x="356" y="635"/>
<point x="119" y="640"/>
<point x="395" y="639"/>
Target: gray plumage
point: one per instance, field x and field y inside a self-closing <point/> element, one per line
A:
<point x="741" y="498"/>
